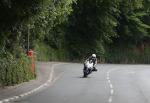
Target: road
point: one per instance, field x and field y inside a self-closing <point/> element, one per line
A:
<point x="111" y="84"/>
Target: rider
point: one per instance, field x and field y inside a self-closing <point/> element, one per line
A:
<point x="94" y="60"/>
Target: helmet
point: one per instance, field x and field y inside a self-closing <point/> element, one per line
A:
<point x="94" y="55"/>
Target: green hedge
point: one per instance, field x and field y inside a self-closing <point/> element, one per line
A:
<point x="14" y="70"/>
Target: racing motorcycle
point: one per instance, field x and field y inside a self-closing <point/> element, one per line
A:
<point x="88" y="67"/>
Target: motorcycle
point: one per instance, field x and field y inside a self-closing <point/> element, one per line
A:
<point x="88" y="68"/>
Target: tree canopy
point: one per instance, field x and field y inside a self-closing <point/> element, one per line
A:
<point x="74" y="28"/>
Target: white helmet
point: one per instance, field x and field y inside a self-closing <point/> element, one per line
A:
<point x="94" y="55"/>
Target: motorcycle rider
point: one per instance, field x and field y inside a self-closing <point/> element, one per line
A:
<point x="94" y="60"/>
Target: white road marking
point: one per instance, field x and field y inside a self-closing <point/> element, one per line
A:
<point x="111" y="86"/>
<point x="111" y="91"/>
<point x="49" y="81"/>
<point x="107" y="78"/>
<point x="6" y="100"/>
<point x="107" y="74"/>
<point x="58" y="77"/>
<point x="11" y="98"/>
<point x="110" y="99"/>
<point x="16" y="97"/>
<point x="109" y="81"/>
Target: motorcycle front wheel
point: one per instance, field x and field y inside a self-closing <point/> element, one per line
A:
<point x="85" y="72"/>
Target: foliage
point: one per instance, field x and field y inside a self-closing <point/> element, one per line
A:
<point x="127" y="55"/>
<point x="46" y="53"/>
<point x="34" y="18"/>
<point x="62" y="30"/>
<point x="91" y="21"/>
<point x="131" y="27"/>
<point x="14" y="71"/>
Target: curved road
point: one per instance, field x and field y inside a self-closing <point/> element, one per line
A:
<point x="111" y="84"/>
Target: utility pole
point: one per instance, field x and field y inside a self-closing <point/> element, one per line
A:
<point x="28" y="44"/>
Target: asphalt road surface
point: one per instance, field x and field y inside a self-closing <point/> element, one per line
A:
<point x="110" y="84"/>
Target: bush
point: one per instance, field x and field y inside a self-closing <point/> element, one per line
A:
<point x="14" y="70"/>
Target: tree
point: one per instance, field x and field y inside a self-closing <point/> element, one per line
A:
<point x="92" y="22"/>
<point x="131" y="27"/>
